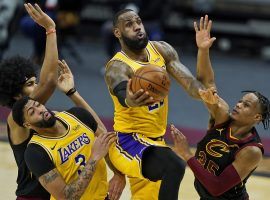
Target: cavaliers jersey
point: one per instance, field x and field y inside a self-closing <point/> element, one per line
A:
<point x="150" y="121"/>
<point x="216" y="151"/>
<point x="70" y="152"/>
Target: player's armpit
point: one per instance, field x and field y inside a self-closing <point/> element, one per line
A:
<point x="53" y="183"/>
<point x="116" y="72"/>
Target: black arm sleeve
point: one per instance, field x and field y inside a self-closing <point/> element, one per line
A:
<point x="84" y="116"/>
<point x="120" y="92"/>
<point x="37" y="160"/>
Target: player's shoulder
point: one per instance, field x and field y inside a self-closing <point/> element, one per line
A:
<point x="17" y="133"/>
<point x="165" y="49"/>
<point x="115" y="64"/>
<point x="161" y="45"/>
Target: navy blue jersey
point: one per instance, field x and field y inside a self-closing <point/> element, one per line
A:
<point x="216" y="151"/>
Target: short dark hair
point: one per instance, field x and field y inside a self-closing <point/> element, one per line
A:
<point x="264" y="106"/>
<point x="118" y="14"/>
<point x="17" y="110"/>
<point x="14" y="72"/>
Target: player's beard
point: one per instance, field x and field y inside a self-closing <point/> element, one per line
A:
<point x="46" y="123"/>
<point x="135" y="44"/>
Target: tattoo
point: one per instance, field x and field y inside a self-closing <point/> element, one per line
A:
<point x="116" y="72"/>
<point x="179" y="71"/>
<point x="77" y="188"/>
<point x="49" y="177"/>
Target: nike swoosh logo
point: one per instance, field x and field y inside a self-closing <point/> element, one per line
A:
<point x="52" y="148"/>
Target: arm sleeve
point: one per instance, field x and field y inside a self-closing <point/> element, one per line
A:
<point x="120" y="92"/>
<point x="37" y="160"/>
<point x="215" y="185"/>
<point x="84" y="116"/>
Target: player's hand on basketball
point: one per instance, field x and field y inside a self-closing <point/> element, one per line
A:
<point x="101" y="145"/>
<point x="65" y="80"/>
<point x="209" y="96"/>
<point x="181" y="146"/>
<point x="139" y="98"/>
<point x="39" y="16"/>
<point x="116" y="186"/>
<point x="203" y="38"/>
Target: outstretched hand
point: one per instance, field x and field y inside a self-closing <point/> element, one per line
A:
<point x="39" y="16"/>
<point x="65" y="78"/>
<point x="203" y="38"/>
<point x="209" y="96"/>
<point x="101" y="145"/>
<point x="181" y="146"/>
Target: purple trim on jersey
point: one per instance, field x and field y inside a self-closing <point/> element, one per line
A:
<point x="131" y="144"/>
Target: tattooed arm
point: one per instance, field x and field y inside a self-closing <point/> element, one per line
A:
<point x="54" y="183"/>
<point x="117" y="78"/>
<point x="180" y="72"/>
<point x="50" y="178"/>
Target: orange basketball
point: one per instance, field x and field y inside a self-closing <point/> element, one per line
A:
<point x="153" y="79"/>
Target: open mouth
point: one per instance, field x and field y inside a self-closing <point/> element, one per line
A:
<point x="46" y="115"/>
<point x="234" y="111"/>
<point x="140" y="35"/>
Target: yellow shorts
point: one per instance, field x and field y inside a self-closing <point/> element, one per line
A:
<point x="143" y="189"/>
<point x="126" y="155"/>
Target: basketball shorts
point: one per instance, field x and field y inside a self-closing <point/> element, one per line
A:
<point x="126" y="155"/>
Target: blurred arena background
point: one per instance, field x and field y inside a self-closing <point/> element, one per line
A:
<point x="240" y="55"/>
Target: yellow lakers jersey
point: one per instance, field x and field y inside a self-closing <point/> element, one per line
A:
<point x="70" y="152"/>
<point x="148" y="120"/>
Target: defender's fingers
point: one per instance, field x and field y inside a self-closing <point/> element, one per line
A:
<point x="39" y="9"/>
<point x="201" y="23"/>
<point x="33" y="10"/>
<point x="195" y="27"/>
<point x="209" y="27"/>
<point x="205" y="24"/>
<point x="66" y="66"/>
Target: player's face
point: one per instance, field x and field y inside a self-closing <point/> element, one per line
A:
<point x="247" y="110"/>
<point x="132" y="31"/>
<point x="29" y="86"/>
<point x="37" y="115"/>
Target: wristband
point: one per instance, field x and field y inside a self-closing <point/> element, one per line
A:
<point x="52" y="30"/>
<point x="71" y="91"/>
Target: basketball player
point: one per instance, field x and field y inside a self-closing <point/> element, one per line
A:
<point x="140" y="151"/>
<point x="65" y="84"/>
<point x="231" y="149"/>
<point x="63" y="154"/>
<point x="18" y="79"/>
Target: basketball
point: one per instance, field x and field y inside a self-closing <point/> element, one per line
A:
<point x="153" y="79"/>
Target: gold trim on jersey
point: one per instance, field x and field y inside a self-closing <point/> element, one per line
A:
<point x="79" y="121"/>
<point x="140" y="62"/>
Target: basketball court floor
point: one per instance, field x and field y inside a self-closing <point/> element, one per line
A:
<point x="258" y="187"/>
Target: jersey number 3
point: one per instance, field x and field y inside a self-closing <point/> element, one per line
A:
<point x="80" y="159"/>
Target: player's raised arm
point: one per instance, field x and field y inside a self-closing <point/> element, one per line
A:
<point x="48" y="73"/>
<point x="205" y="73"/>
<point x="117" y="78"/>
<point x="176" y="69"/>
<point x="67" y="86"/>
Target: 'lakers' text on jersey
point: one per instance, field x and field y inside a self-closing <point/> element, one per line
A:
<point x="150" y="121"/>
<point x="216" y="151"/>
